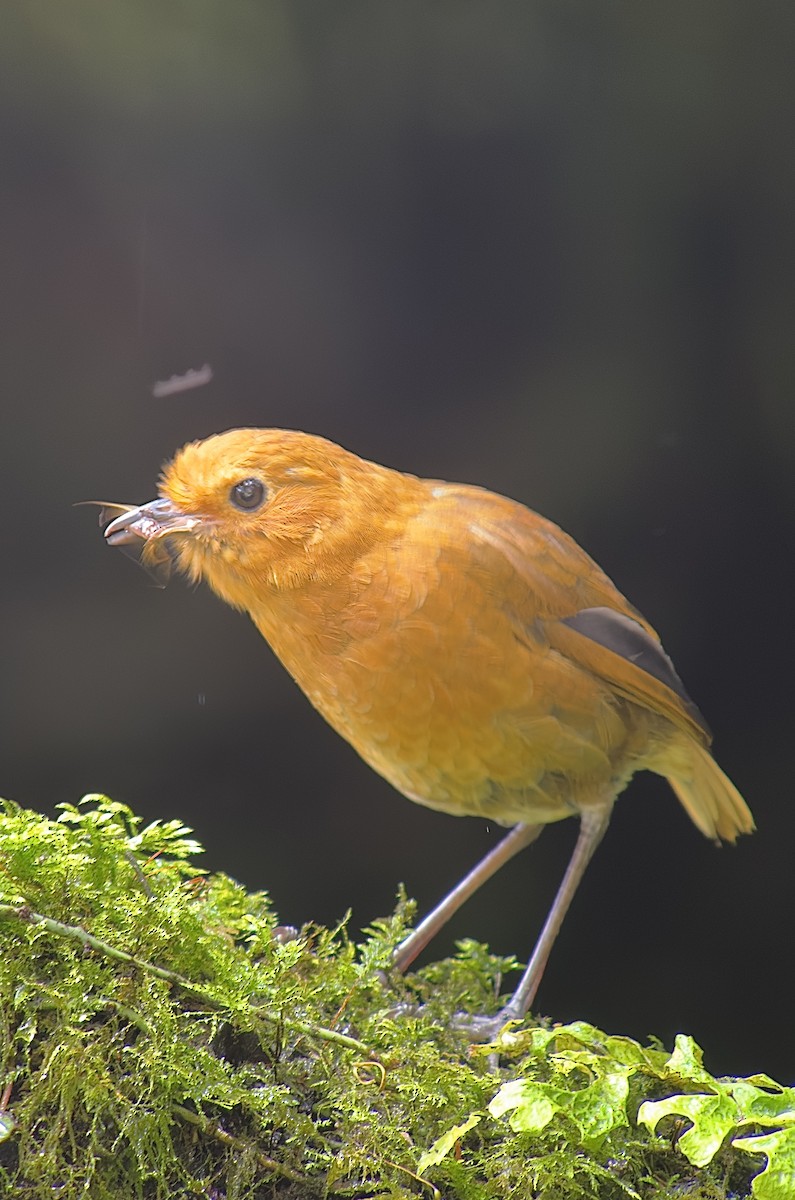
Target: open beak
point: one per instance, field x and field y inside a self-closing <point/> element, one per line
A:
<point x="149" y="522"/>
<point x="143" y="533"/>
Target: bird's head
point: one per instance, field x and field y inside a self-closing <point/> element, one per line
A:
<point x="262" y="509"/>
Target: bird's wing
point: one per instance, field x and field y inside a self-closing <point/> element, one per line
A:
<point x="552" y="589"/>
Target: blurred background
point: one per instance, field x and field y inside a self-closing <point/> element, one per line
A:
<point x="547" y="248"/>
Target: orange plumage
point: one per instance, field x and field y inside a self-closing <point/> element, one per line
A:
<point x="466" y="647"/>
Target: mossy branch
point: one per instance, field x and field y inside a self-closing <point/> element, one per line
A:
<point x="23" y="913"/>
<point x="213" y="1130"/>
<point x="161" y="1037"/>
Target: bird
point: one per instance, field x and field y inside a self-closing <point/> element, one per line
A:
<point x="465" y="646"/>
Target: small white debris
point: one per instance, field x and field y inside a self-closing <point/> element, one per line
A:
<point x="195" y="377"/>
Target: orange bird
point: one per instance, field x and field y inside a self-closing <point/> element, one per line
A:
<point x="466" y="647"/>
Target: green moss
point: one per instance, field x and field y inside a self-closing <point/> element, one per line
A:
<point x="163" y="1037"/>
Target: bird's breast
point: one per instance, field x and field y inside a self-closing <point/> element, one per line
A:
<point x="424" y="674"/>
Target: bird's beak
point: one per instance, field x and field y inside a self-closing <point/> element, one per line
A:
<point x="149" y="522"/>
<point x="143" y="532"/>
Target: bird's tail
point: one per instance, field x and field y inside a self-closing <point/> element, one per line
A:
<point x="708" y="795"/>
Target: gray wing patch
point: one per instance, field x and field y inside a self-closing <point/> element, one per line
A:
<point x="625" y="637"/>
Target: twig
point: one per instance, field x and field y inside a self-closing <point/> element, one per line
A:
<point x="136" y="866"/>
<point x="206" y="1125"/>
<point x="77" y="933"/>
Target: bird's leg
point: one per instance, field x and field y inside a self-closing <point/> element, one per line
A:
<point x="519" y="837"/>
<point x="593" y="824"/>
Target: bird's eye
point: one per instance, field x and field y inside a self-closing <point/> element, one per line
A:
<point x="248" y="494"/>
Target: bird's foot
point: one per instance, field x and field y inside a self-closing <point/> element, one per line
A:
<point x="477" y="1027"/>
<point x="481" y="1028"/>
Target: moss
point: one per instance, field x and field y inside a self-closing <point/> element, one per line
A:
<point x="162" y="1036"/>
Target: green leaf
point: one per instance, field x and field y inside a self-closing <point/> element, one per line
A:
<point x="687" y="1061"/>
<point x="596" y="1110"/>
<point x="602" y="1106"/>
<point x="530" y="1104"/>
<point x="777" y="1181"/>
<point x="444" y="1144"/>
<point x="773" y="1103"/>
<point x="713" y="1117"/>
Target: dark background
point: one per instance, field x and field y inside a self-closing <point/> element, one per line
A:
<point x="545" y="247"/>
